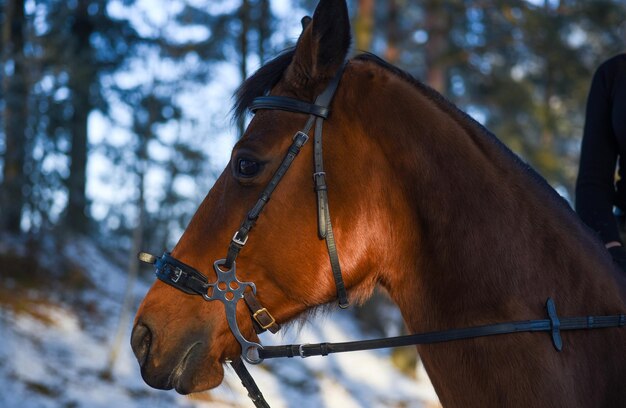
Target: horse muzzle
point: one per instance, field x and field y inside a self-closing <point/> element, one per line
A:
<point x="176" y="366"/>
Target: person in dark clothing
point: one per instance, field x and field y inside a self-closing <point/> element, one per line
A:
<point x="599" y="198"/>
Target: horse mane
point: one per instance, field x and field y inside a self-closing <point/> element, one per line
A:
<point x="469" y="124"/>
<point x="266" y="77"/>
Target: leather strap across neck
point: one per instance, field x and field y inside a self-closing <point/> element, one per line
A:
<point x="553" y="325"/>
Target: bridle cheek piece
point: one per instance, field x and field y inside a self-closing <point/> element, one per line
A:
<point x="229" y="290"/>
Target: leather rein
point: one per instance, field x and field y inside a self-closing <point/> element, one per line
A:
<point x="229" y="290"/>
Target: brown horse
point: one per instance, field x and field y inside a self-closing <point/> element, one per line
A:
<point x="425" y="203"/>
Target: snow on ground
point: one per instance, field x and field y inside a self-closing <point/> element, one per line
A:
<point x="54" y="356"/>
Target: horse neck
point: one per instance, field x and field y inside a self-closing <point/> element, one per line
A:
<point x="484" y="240"/>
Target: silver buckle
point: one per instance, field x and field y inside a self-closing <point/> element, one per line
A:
<point x="238" y="241"/>
<point x="301" y="133"/>
<point x="301" y="350"/>
<point x="177" y="273"/>
<point x="318" y="174"/>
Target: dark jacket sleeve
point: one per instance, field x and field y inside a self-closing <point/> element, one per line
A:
<point x="595" y="186"/>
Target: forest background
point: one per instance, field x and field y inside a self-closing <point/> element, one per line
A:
<point x="115" y="114"/>
<point x="116" y="110"/>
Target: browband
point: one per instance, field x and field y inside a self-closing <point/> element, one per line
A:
<point x="288" y="104"/>
<point x="319" y="108"/>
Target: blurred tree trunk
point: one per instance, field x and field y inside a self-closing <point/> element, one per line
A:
<point x="244" y="15"/>
<point x="82" y="76"/>
<point x="364" y="25"/>
<point x="392" y="52"/>
<point x="437" y="45"/>
<point x="15" y="92"/>
<point x="133" y="270"/>
<point x="264" y="30"/>
<point x="146" y="114"/>
<point x="548" y="129"/>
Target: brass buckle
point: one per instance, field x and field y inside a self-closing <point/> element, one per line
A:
<point x="264" y="326"/>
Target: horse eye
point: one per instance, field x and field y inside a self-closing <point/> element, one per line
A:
<point x="247" y="168"/>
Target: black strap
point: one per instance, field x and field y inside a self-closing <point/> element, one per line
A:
<point x="241" y="236"/>
<point x="549" y="325"/>
<point x="327" y="95"/>
<point x="342" y="294"/>
<point x="319" y="179"/>
<point x="248" y="382"/>
<point x="324" y="225"/>
<point x="290" y="105"/>
<point x="180" y="275"/>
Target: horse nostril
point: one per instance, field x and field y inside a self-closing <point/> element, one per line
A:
<point x="140" y="341"/>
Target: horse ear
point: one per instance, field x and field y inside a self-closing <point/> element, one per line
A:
<point x="323" y="44"/>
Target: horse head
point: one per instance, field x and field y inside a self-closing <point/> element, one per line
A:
<point x="181" y="340"/>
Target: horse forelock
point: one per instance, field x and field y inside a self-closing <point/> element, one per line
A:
<point x="261" y="82"/>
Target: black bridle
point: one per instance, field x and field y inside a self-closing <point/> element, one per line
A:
<point x="229" y="290"/>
